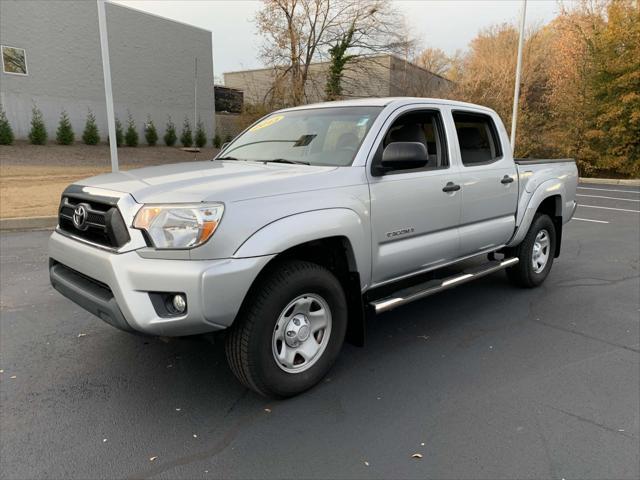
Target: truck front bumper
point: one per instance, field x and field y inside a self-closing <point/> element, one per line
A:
<point x="117" y="286"/>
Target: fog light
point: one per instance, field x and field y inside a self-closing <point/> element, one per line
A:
<point x="179" y="303"/>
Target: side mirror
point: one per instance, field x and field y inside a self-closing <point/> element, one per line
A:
<point x="404" y="156"/>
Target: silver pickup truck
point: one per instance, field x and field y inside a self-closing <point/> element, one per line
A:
<point x="309" y="221"/>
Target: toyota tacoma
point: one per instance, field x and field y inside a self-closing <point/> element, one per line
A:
<point x="309" y="221"/>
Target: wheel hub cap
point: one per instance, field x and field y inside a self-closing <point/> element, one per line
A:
<point x="302" y="333"/>
<point x="298" y="330"/>
<point x="540" y="252"/>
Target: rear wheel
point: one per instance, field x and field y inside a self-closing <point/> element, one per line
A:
<point x="291" y="330"/>
<point x="535" y="253"/>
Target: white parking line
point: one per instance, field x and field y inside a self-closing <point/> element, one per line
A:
<point x="608" y="198"/>
<point x="588" y="220"/>
<point x="609" y="190"/>
<point x="609" y="208"/>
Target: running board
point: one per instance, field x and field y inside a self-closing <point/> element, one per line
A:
<point x="422" y="290"/>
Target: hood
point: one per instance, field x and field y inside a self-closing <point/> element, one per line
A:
<point x="226" y="180"/>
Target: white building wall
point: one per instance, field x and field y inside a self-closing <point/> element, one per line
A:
<point x="152" y="66"/>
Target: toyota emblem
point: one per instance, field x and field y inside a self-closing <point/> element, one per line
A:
<point x="80" y="215"/>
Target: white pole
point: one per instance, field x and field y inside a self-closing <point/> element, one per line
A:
<point x="108" y="93"/>
<point x="516" y="93"/>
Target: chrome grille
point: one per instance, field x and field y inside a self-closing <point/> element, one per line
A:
<point x="103" y="224"/>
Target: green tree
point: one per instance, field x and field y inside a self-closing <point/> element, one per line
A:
<point x="150" y="133"/>
<point x="131" y="135"/>
<point x="64" y="134"/>
<point x="217" y="140"/>
<point x="186" y="138"/>
<point x="90" y="135"/>
<point x="38" y="132"/>
<point x="338" y="59"/>
<point x="201" y="136"/>
<point x="615" y="84"/>
<point x="170" y="135"/>
<point x="6" y="133"/>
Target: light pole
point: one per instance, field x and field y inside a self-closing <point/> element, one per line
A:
<point x="516" y="92"/>
<point x="108" y="93"/>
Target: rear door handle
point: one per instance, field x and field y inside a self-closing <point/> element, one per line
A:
<point x="506" y="179"/>
<point x="451" y="187"/>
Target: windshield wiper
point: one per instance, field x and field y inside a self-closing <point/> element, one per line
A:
<point x="285" y="160"/>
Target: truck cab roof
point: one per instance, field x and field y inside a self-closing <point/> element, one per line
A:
<point x="387" y="101"/>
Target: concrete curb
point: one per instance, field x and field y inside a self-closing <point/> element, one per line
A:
<point x="611" y="181"/>
<point x="28" y="223"/>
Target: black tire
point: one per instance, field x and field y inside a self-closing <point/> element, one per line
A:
<point x="249" y="342"/>
<point x="523" y="274"/>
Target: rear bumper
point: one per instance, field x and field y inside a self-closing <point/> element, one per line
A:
<point x="116" y="287"/>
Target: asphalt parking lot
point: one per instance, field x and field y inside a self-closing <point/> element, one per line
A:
<point x="485" y="381"/>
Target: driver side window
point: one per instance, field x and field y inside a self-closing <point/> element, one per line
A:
<point x="423" y="126"/>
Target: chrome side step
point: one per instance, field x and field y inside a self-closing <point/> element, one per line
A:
<point x="416" y="292"/>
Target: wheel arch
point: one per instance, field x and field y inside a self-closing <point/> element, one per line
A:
<point x="548" y="198"/>
<point x="335" y="239"/>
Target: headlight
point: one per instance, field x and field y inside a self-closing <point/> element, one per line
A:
<point x="179" y="225"/>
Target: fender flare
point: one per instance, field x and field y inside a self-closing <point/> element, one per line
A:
<point x="288" y="232"/>
<point x="529" y="204"/>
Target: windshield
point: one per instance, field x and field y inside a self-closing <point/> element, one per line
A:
<point x="321" y="136"/>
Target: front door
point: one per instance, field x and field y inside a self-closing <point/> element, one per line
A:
<point x="414" y="222"/>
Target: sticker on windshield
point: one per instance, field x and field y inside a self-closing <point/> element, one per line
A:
<point x="266" y="123"/>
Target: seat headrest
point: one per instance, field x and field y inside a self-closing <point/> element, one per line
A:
<point x="347" y="140"/>
<point x="469" y="138"/>
<point x="410" y="132"/>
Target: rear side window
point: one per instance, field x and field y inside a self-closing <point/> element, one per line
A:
<point x="477" y="137"/>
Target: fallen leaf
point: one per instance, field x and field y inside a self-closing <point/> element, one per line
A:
<point x="416" y="455"/>
<point x="152" y="459"/>
<point x="82" y="335"/>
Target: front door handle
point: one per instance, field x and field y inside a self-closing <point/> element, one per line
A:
<point x="451" y="187"/>
<point x="506" y="179"/>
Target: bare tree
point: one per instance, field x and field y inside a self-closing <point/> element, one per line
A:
<point x="365" y="28"/>
<point x="299" y="33"/>
<point x="434" y="60"/>
<point x="294" y="31"/>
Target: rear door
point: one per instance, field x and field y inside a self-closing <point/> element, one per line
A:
<point x="489" y="182"/>
<point x="414" y="222"/>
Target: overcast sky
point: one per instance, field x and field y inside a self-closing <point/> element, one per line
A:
<point x="446" y="24"/>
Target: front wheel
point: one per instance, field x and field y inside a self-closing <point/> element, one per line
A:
<point x="290" y="331"/>
<point x="535" y="253"/>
